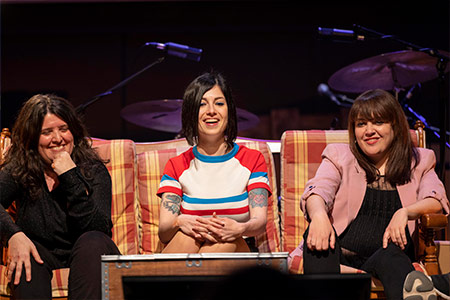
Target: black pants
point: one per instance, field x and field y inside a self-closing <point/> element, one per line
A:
<point x="390" y="265"/>
<point x="84" y="264"/>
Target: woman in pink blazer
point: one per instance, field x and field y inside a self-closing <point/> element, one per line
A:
<point x="365" y="196"/>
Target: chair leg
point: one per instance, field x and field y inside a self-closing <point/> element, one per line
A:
<point x="430" y="259"/>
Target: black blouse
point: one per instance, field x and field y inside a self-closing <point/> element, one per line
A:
<point x="57" y="218"/>
<point x="365" y="234"/>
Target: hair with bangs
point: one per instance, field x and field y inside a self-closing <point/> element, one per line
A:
<point x="379" y="105"/>
<point x="191" y="104"/>
<point x="23" y="160"/>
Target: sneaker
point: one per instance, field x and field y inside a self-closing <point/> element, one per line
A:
<point x="419" y="286"/>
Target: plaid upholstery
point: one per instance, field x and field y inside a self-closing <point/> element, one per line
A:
<point x="301" y="155"/>
<point x="269" y="241"/>
<point x="150" y="169"/>
<point x="180" y="144"/>
<point x="151" y="165"/>
<point x="152" y="158"/>
<point x="121" y="156"/>
<point x="60" y="282"/>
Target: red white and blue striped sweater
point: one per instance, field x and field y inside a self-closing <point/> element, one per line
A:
<point x="217" y="184"/>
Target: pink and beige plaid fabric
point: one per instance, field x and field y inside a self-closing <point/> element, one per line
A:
<point x="301" y="155"/>
<point x="269" y="241"/>
<point x="151" y="165"/>
<point x="150" y="169"/>
<point x="121" y="156"/>
<point x="152" y="158"/>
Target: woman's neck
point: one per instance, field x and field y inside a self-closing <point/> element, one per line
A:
<point x="51" y="178"/>
<point x="213" y="148"/>
<point x="381" y="166"/>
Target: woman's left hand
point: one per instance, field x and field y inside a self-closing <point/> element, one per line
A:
<point x="221" y="229"/>
<point x="395" y="231"/>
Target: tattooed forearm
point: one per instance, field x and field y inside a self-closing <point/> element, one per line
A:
<point x="172" y="203"/>
<point x="258" y="197"/>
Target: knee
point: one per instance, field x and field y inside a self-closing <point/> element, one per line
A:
<point x="393" y="250"/>
<point x="41" y="275"/>
<point x="392" y="254"/>
<point x="95" y="243"/>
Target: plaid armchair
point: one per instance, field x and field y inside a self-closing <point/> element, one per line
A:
<point x="300" y="158"/>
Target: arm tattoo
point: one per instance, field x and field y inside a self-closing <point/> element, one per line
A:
<point x="172" y="203"/>
<point x="258" y="197"/>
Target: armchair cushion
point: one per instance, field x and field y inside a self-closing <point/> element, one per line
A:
<point x="150" y="169"/>
<point x="121" y="156"/>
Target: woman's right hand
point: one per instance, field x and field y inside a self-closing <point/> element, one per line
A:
<point x="321" y="234"/>
<point x="19" y="249"/>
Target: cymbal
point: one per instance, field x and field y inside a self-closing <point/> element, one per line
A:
<point x="388" y="71"/>
<point x="165" y="115"/>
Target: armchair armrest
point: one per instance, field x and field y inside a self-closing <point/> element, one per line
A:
<point x="5" y="142"/>
<point x="427" y="254"/>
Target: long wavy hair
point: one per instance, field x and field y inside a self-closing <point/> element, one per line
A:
<point x="403" y="157"/>
<point x="23" y="160"/>
<point x="191" y="105"/>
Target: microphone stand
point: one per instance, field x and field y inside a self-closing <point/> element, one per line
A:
<point x="435" y="130"/>
<point x="81" y="108"/>
<point x="440" y="67"/>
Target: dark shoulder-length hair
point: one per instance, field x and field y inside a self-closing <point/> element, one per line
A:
<point x="23" y="160"/>
<point x="403" y="157"/>
<point x="191" y="105"/>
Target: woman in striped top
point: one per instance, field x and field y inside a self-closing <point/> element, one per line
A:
<point x="214" y="194"/>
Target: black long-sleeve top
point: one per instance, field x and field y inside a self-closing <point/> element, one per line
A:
<point x="57" y="218"/>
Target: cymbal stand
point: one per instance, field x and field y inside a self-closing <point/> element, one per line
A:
<point x="440" y="67"/>
<point x="81" y="108"/>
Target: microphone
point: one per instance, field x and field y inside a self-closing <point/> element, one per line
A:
<point x="340" y="33"/>
<point x="324" y="90"/>
<point x="178" y="50"/>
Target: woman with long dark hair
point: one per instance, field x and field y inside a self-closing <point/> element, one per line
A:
<point x="365" y="197"/>
<point x="62" y="192"/>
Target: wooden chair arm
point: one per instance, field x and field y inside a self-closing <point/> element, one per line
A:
<point x="420" y="132"/>
<point x="433" y="221"/>
<point x="427" y="253"/>
<point x="5" y="142"/>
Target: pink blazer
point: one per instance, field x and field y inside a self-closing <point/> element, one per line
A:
<point x="341" y="182"/>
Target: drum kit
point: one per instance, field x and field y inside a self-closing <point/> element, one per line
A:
<point x="390" y="71"/>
